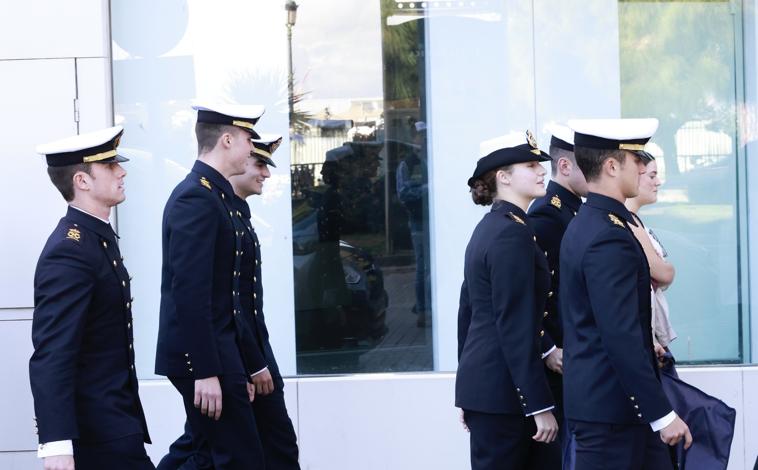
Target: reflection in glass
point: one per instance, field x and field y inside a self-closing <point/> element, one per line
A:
<point x="360" y="206"/>
<point x="679" y="63"/>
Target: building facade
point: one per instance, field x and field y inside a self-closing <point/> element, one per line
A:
<point x="364" y="221"/>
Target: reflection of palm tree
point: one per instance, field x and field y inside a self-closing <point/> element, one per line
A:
<point x="299" y="120"/>
<point x="269" y="90"/>
<point x="266" y="89"/>
<point x="400" y="51"/>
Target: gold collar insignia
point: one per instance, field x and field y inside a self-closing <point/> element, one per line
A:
<point x="616" y="220"/>
<point x="74" y="234"/>
<point x="516" y="218"/>
<point x="205" y="182"/>
<point x="556" y="201"/>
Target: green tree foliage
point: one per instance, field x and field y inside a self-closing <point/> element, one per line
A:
<point x="678" y="64"/>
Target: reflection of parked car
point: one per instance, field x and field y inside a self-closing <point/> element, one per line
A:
<point x="331" y="310"/>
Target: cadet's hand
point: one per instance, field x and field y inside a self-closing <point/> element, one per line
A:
<point x="659" y="351"/>
<point x="463" y="421"/>
<point x="554" y="361"/>
<point x="250" y="391"/>
<point x="208" y="397"/>
<point x="674" y="432"/>
<point x="59" y="462"/>
<point x="263" y="382"/>
<point x="547" y="427"/>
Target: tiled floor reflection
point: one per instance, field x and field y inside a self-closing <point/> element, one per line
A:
<point x="405" y="346"/>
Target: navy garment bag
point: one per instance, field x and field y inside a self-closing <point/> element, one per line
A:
<point x="710" y="420"/>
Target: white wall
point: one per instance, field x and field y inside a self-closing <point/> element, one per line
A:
<point x="404" y="421"/>
<point x="39" y="85"/>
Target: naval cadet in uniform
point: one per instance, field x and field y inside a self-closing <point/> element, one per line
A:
<point x="205" y="347"/>
<point x="613" y="397"/>
<point x="275" y="428"/>
<point x="86" y="399"/>
<point x="276" y="435"/>
<point x="549" y="216"/>
<point x="500" y="384"/>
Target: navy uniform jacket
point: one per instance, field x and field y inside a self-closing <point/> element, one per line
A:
<point x="505" y="285"/>
<point x="202" y="332"/>
<point x="252" y="293"/>
<point x="82" y="370"/>
<point x="610" y="372"/>
<point x="549" y="216"/>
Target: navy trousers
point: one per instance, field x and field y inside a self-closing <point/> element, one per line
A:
<point x="182" y="454"/>
<point x="504" y="442"/>
<point x="232" y="441"/>
<point x="275" y="431"/>
<point x="600" y="446"/>
<point x="126" y="453"/>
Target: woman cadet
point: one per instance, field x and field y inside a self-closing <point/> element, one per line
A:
<point x="500" y="384"/>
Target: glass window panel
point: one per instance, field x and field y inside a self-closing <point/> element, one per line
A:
<point x="679" y="63"/>
<point x="360" y="191"/>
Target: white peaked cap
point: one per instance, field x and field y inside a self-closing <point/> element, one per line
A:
<point x="80" y="142"/>
<point x="615" y="129"/>
<point x="560" y="131"/>
<point x="510" y="139"/>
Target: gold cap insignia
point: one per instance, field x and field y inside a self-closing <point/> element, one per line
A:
<point x="74" y="234"/>
<point x="616" y="220"/>
<point x="532" y="142"/>
<point x="205" y="182"/>
<point x="275" y="145"/>
<point x="556" y="201"/>
<point x="516" y="218"/>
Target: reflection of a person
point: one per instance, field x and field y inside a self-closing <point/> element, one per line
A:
<point x="329" y="217"/>
<point x="361" y="187"/>
<point x="412" y="191"/>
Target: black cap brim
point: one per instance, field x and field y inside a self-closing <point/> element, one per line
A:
<point x="645" y="156"/>
<point x="252" y="132"/>
<point x="115" y="159"/>
<point x="507" y="156"/>
<point x="268" y="161"/>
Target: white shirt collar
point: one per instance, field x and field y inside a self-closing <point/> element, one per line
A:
<point x="93" y="215"/>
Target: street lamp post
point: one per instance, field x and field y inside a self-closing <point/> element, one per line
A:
<point x="291" y="8"/>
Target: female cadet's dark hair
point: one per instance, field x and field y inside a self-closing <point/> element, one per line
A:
<point x="63" y="178"/>
<point x="484" y="190"/>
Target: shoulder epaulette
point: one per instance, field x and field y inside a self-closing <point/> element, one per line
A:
<point x="555" y="201"/>
<point x="74" y="234"/>
<point x="616" y="221"/>
<point x="516" y="218"/>
<point x="205" y="183"/>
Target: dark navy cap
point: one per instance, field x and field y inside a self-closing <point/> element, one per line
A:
<point x="93" y="147"/>
<point x="265" y="146"/>
<point x="242" y="116"/>
<point x="506" y="150"/>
